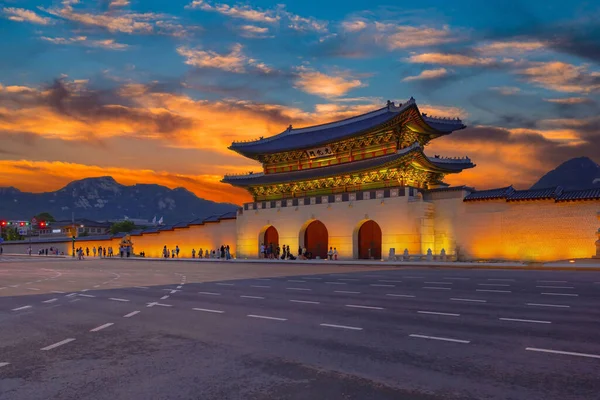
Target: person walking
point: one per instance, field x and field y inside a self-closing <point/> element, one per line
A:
<point x="104" y="250"/>
<point x="172" y="253"/>
<point x="193" y="253"/>
<point x="177" y="250"/>
<point x="200" y="254"/>
<point x="330" y="254"/>
<point x="94" y="251"/>
<point x="227" y="253"/>
<point x="335" y="253"/>
<point x="87" y="251"/>
<point x="165" y="252"/>
<point x="222" y="251"/>
<point x="100" y="251"/>
<point x="262" y="251"/>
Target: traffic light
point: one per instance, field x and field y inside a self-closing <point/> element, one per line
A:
<point x="2" y="223"/>
<point x="21" y="223"/>
<point x="42" y="224"/>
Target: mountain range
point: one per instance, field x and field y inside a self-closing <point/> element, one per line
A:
<point x="103" y="198"/>
<point x="576" y="173"/>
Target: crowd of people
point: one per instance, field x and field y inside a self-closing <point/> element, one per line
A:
<point x="222" y="252"/>
<point x="100" y="251"/>
<point x="275" y="252"/>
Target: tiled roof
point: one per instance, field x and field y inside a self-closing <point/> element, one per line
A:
<point x="315" y="136"/>
<point x="536" y="194"/>
<point x="585" y="194"/>
<point x="181" y="225"/>
<point x="451" y="189"/>
<point x="500" y="193"/>
<point x="212" y="218"/>
<point x="229" y="215"/>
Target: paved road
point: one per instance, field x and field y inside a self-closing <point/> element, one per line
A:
<point x="136" y="330"/>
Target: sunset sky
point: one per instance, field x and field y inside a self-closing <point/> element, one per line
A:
<point x="152" y="91"/>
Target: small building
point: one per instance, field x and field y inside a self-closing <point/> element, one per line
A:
<point x="75" y="228"/>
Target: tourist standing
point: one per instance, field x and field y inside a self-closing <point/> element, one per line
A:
<point x="330" y="253"/>
<point x="206" y="254"/>
<point x="200" y="253"/>
<point x="173" y="253"/>
<point x="262" y="251"/>
<point x="335" y="253"/>
<point x="193" y="253"/>
<point x="177" y="250"/>
<point x="227" y="252"/>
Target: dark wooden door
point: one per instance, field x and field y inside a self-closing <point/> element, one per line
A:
<point x="271" y="236"/>
<point x="316" y="239"/>
<point x="369" y="237"/>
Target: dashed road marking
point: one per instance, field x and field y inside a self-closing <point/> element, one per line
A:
<point x="117" y="299"/>
<point x="131" y="314"/>
<point x="440" y="338"/>
<point x="365" y="307"/>
<point x="21" y="308"/>
<point x="296" y="280"/>
<point x="555" y="287"/>
<point x="493" y="284"/>
<point x="352" y="328"/>
<point x="348" y="279"/>
<point x="225" y="284"/>
<point x="436" y="288"/>
<point x="439" y="313"/>
<point x="311" y="278"/>
<point x="252" y="297"/>
<point x="493" y="291"/>
<point x="57" y="291"/>
<point x="158" y="304"/>
<point x="99" y="286"/>
<point x="99" y="328"/>
<point x="457" y="279"/>
<point x="414" y="277"/>
<point x="50" y="301"/>
<point x="305" y="301"/>
<point x="381" y="285"/>
<point x="400" y="295"/>
<point x="532" y="321"/>
<point x="438" y="283"/>
<point x="556" y="281"/>
<point x="501" y="279"/>
<point x="548" y="305"/>
<point x="140" y="287"/>
<point x="86" y="295"/>
<point x="469" y="300"/>
<point x="3" y="364"/>
<point x="260" y="286"/>
<point x="165" y="297"/>
<point x="345" y="291"/>
<point x="32" y="288"/>
<point x="263" y="279"/>
<point x="299" y="288"/>
<point x="210" y="293"/>
<point x="179" y="287"/>
<point x="58" y="344"/>
<point x="266" y="317"/>
<point x="389" y="280"/>
<point x="336" y="283"/>
<point x="561" y="294"/>
<point x="568" y="353"/>
<point x="208" y="310"/>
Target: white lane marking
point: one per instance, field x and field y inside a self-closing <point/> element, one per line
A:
<point x="470" y="300"/>
<point x="295" y="280"/>
<point x="501" y="279"/>
<point x="561" y="294"/>
<point x="14" y="285"/>
<point x="310" y="278"/>
<point x="99" y="286"/>
<point x="165" y="297"/>
<point x="457" y="279"/>
<point x="86" y="295"/>
<point x="438" y="288"/>
<point x="493" y="284"/>
<point x="21" y="308"/>
<point x="263" y="279"/>
<point x="210" y="293"/>
<point x="85" y="290"/>
<point x="365" y="307"/>
<point x="158" y="304"/>
<point x="552" y="281"/>
<point x="568" y="353"/>
<point x="532" y="321"/>
<point x="493" y="291"/>
<point x="414" y="277"/>
<point x="556" y="287"/>
<point x="173" y="291"/>
<point x="139" y="287"/>
<point x="348" y="279"/>
<point x="261" y="286"/>
<point x="438" y="283"/>
<point x="71" y="295"/>
<point x="32" y="288"/>
<point x="2" y="287"/>
<point x="50" y="301"/>
<point x="208" y="310"/>
<point x="298" y="288"/>
<point x="345" y="291"/>
<point x="380" y="285"/>
<point x="131" y="314"/>
<point x="252" y="297"/>
<point x="400" y="295"/>
<point x="117" y="299"/>
<point x="336" y="283"/>
<point x="99" y="328"/>
<point x="548" y="305"/>
<point x="305" y="302"/>
<point x="74" y="300"/>
<point x="179" y="287"/>
<point x="439" y="313"/>
<point x="55" y="345"/>
<point x="352" y="328"/>
<point x="225" y="284"/>
<point x="389" y="280"/>
<point x="56" y="291"/>
<point x="4" y="364"/>
<point x="440" y="338"/>
<point x="265" y="317"/>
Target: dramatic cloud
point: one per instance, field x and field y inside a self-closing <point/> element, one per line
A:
<point x="302" y="24"/>
<point x="108" y="44"/>
<point x="404" y="37"/>
<point x="254" y="32"/>
<point x="235" y="61"/>
<point x="118" y="3"/>
<point x="243" y="12"/>
<point x="23" y="15"/>
<point x="562" y="77"/>
<point x="506" y="90"/>
<point x="354" y="25"/>
<point x="324" y="85"/>
<point x="428" y="74"/>
<point x="509" y="47"/>
<point x="569" y="100"/>
<point x="450" y="59"/>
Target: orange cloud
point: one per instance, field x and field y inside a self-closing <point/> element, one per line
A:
<point x="108" y="44"/>
<point x="569" y="100"/>
<point x="427" y="74"/>
<point x="23" y="15"/>
<point x="405" y="36"/>
<point x="234" y="61"/>
<point x="497" y="48"/>
<point x="450" y="59"/>
<point x="242" y="12"/>
<point x="324" y="85"/>
<point x="354" y="25"/>
<point x="562" y="77"/>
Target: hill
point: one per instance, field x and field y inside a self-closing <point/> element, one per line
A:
<point x="576" y="173"/>
<point x="103" y="198"/>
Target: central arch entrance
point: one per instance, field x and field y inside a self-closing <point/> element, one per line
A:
<point x="369" y="240"/>
<point x="316" y="239"/>
<point x="271" y="236"/>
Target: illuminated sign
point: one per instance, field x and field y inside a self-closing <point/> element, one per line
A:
<point x="55" y="230"/>
<point x="319" y="152"/>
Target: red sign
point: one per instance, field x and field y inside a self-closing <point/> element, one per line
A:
<point x="33" y="221"/>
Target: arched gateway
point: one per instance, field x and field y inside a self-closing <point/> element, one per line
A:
<point x="369" y="240"/>
<point x="268" y="235"/>
<point x="316" y="239"/>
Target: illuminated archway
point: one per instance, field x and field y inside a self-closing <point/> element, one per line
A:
<point x="315" y="238"/>
<point x="367" y="240"/>
<point x="268" y="234"/>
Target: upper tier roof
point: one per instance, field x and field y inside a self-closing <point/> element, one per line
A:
<point x="436" y="164"/>
<point x="557" y="193"/>
<point x="313" y="136"/>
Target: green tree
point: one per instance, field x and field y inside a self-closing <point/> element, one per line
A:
<point x="123" y="226"/>
<point x="9" y="233"/>
<point x="45" y="216"/>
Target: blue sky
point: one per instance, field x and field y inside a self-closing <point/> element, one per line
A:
<point x="179" y="80"/>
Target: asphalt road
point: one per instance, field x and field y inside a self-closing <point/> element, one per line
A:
<point x="163" y="330"/>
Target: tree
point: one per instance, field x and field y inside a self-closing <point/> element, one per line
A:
<point x="123" y="226"/>
<point x="45" y="216"/>
<point x="11" y="234"/>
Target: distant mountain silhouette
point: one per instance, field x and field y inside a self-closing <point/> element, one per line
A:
<point x="576" y="173"/>
<point x="103" y="198"/>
